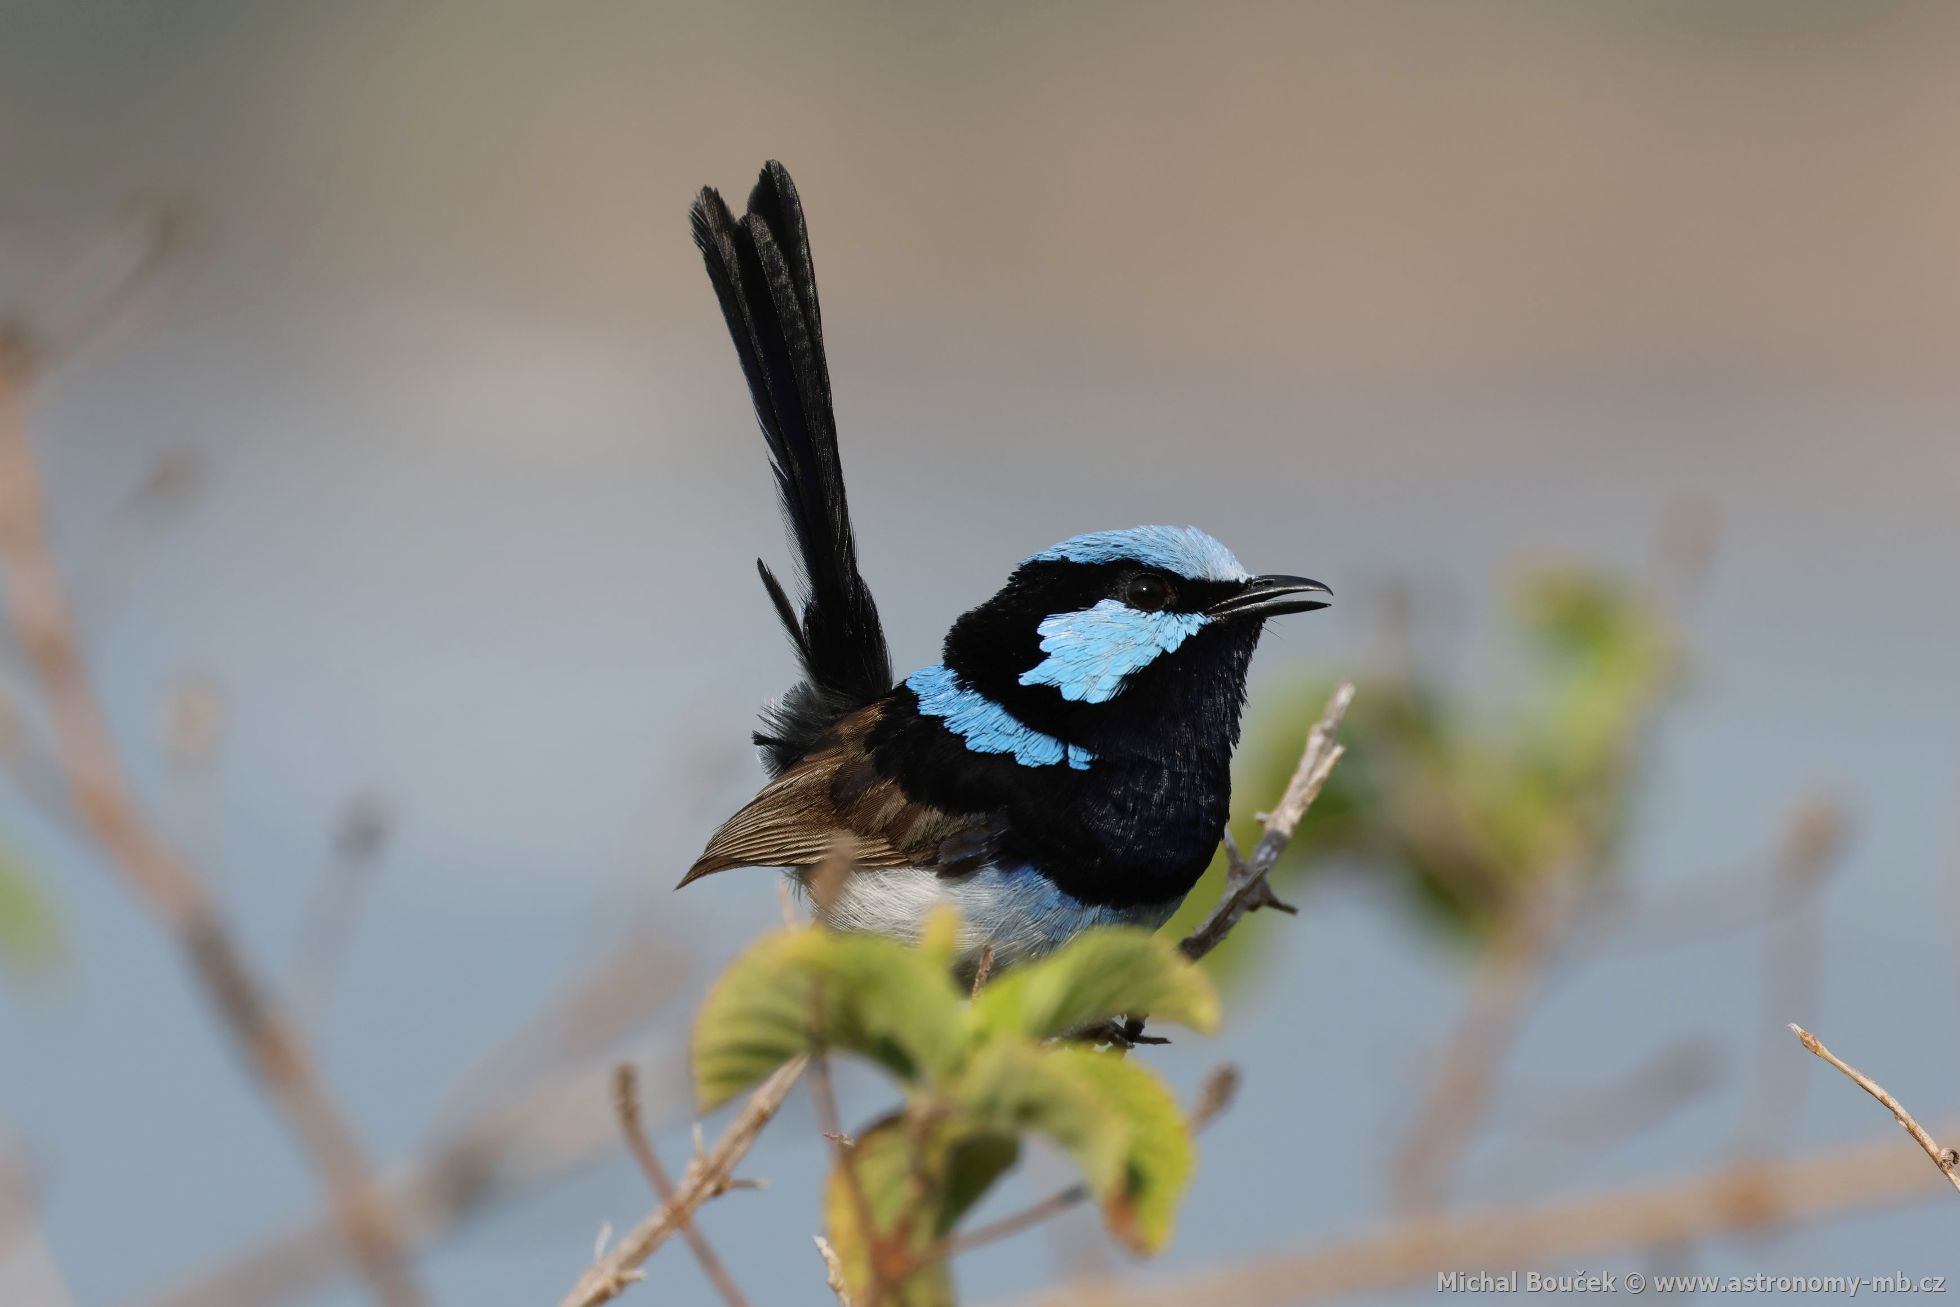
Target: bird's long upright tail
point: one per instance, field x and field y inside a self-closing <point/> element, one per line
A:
<point x="760" y="265"/>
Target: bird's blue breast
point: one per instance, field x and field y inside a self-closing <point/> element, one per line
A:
<point x="985" y="726"/>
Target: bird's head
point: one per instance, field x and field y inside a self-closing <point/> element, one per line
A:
<point x="1132" y="633"/>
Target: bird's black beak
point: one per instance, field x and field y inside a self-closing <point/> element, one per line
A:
<point x="1270" y="596"/>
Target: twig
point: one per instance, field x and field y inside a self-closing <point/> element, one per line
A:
<point x="843" y="1152"/>
<point x="1215" y="1096"/>
<point x="833" y="1271"/>
<point x="1007" y="1226"/>
<point x="92" y="775"/>
<point x="1742" y="1197"/>
<point x="334" y="908"/>
<point x="1944" y="1158"/>
<point x="626" y="1102"/>
<point x="707" y="1176"/>
<point x="1247" y="885"/>
<point x="984" y="968"/>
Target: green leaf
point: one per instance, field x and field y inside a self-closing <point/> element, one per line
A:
<point x="1111" y="972"/>
<point x="1116" y="1120"/>
<point x="1160" y="1158"/>
<point x="918" y="1179"/>
<point x="30" y="938"/>
<point x="795" y="991"/>
<point x="1011" y="1087"/>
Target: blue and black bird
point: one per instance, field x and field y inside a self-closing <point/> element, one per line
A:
<point x="1068" y="761"/>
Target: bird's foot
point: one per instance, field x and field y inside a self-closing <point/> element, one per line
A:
<point x="1124" y="1033"/>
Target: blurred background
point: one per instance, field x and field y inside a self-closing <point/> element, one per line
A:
<point x="1600" y="357"/>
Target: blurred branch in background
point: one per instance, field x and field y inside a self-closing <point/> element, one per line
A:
<point x="107" y="816"/>
<point x="552" y="1115"/>
<point x="171" y="484"/>
<point x="1462" y="1088"/>
<point x="1752" y="1198"/>
<point x="78" y="781"/>
<point x="28" y="1272"/>
<point x="1595" y="1116"/>
<point x="333" y="910"/>
<point x="1792" y="960"/>
<point x="1714" y="904"/>
<point x="196" y="717"/>
<point x="493" y="1157"/>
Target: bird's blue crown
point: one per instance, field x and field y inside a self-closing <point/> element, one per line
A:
<point x="1184" y="550"/>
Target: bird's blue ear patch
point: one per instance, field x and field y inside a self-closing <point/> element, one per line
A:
<point x="1091" y="651"/>
<point x="1184" y="550"/>
<point x="985" y="726"/>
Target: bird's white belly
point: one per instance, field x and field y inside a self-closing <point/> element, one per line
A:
<point x="1021" y="913"/>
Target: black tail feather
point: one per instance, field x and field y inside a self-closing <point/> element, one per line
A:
<point x="785" y="610"/>
<point x="761" y="268"/>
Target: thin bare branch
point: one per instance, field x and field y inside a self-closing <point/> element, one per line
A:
<point x="626" y="1101"/>
<point x="1247" y="885"/>
<point x="1008" y="1226"/>
<point x="833" y="1271"/>
<point x="1215" y="1096"/>
<point x="707" y="1176"/>
<point x="1944" y="1158"/>
<point x="336" y="904"/>
<point x="176" y="895"/>
<point x="984" y="968"/>
<point x="843" y="1154"/>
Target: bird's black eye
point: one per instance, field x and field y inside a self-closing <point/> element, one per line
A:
<point x="1146" y="592"/>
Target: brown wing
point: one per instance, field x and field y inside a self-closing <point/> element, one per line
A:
<point x="836" y="802"/>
